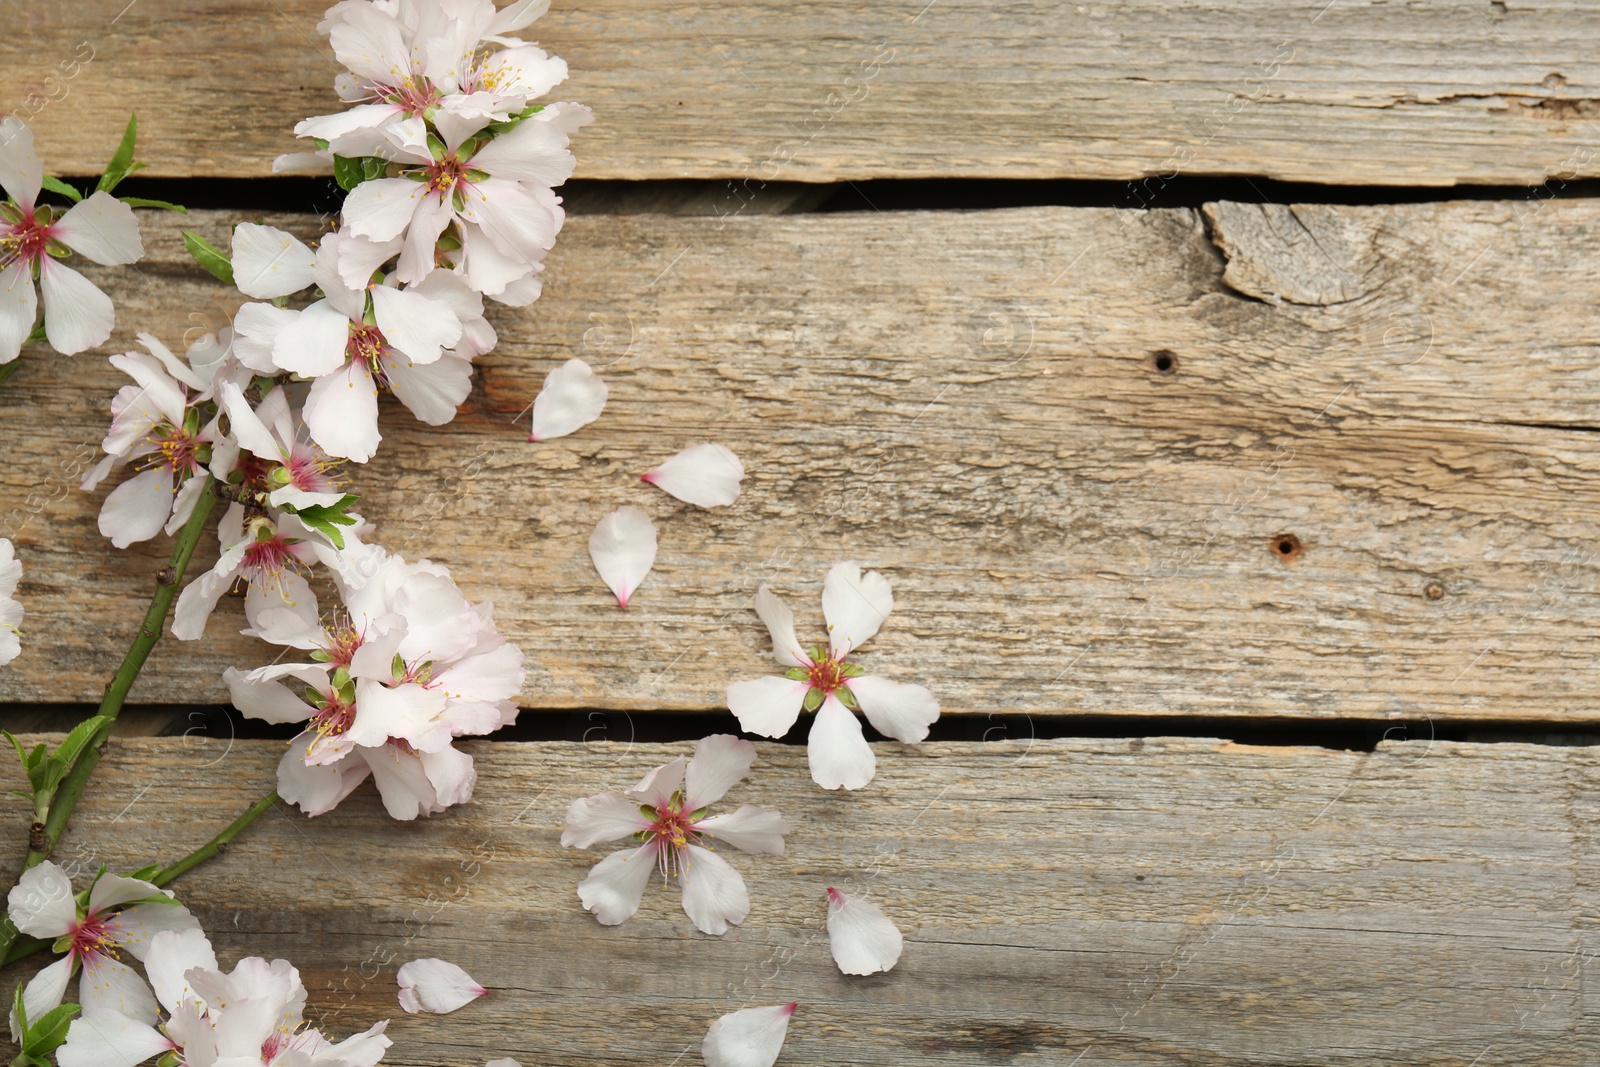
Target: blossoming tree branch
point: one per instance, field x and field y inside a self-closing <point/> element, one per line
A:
<point x="449" y="151"/>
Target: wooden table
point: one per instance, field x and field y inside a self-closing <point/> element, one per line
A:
<point x="1145" y="468"/>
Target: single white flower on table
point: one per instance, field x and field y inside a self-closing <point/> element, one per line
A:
<point x="666" y="811"/>
<point x="436" y="986"/>
<point x="706" y="475"/>
<point x="750" y="1037"/>
<point x="252" y="1016"/>
<point x="862" y="938"/>
<point x="349" y="358"/>
<point x="157" y="420"/>
<point x="623" y="548"/>
<point x="10" y="608"/>
<point x="573" y="396"/>
<point x="406" y="667"/>
<point x="822" y="679"/>
<point x="101" y="228"/>
<point x="42" y="905"/>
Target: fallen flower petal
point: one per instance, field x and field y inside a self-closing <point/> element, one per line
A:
<point x="706" y="476"/>
<point x="750" y="1037"/>
<point x="573" y="396"/>
<point x="623" y="547"/>
<point x="269" y="262"/>
<point x="862" y="938"/>
<point x="436" y="986"/>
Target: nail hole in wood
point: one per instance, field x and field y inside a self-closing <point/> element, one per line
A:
<point x="1287" y="547"/>
<point x="1433" y="590"/>
<point x="1164" y="360"/>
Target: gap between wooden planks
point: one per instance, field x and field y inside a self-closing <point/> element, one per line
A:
<point x="759" y="90"/>
<point x="972" y="403"/>
<point x="1149" y="902"/>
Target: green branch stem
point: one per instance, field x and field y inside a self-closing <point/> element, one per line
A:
<point x="155" y="621"/>
<point x="216" y="844"/>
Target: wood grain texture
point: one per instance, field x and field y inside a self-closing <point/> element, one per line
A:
<point x="1154" y="903"/>
<point x="972" y="403"/>
<point x="1427" y="93"/>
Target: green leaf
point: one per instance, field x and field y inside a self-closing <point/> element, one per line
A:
<point x="144" y="874"/>
<point x="813" y="699"/>
<point x="139" y="201"/>
<point x="38" y="336"/>
<point x="21" y="1013"/>
<point x="122" y="163"/>
<point x="56" y="185"/>
<point x="326" y="518"/>
<point x="72" y="747"/>
<point x="46" y="1035"/>
<point x="22" y="753"/>
<point x="208" y="256"/>
<point x="351" y="171"/>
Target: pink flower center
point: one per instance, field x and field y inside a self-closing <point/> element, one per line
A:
<point x="416" y="95"/>
<point x="366" y="344"/>
<point x="308" y="471"/>
<point x="268" y="558"/>
<point x="334" y="717"/>
<point x="826" y="674"/>
<point x="176" y="449"/>
<point x="443" y="174"/>
<point x="342" y="642"/>
<point x="25" y="240"/>
<point x="92" y="937"/>
<point x="673" y="829"/>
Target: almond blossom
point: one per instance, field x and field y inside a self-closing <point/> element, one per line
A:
<point x="252" y="1016"/>
<point x="101" y="228"/>
<point x="706" y="476"/>
<point x="436" y="986"/>
<point x="822" y="679"/>
<point x="750" y="1037"/>
<point x="573" y="396"/>
<point x="10" y="609"/>
<point x="623" y="548"/>
<point x="666" y="811"/>
<point x="122" y="913"/>
<point x="861" y="937"/>
<point x="406" y="667"/>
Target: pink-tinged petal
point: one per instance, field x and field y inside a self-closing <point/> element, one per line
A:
<point x="706" y="476"/>
<point x="314" y="343"/>
<point x="775" y="613"/>
<point x="493" y="273"/>
<point x="110" y="986"/>
<point x="430" y="391"/>
<point x="341" y="413"/>
<point x="245" y="427"/>
<point x="359" y="1050"/>
<point x="21" y="173"/>
<point x="342" y="123"/>
<point x="357" y="258"/>
<point x="113" y="890"/>
<point x="138" y="508"/>
<point x="519" y="223"/>
<point x="77" y="315"/>
<point x="199" y="598"/>
<point x="714" y="895"/>
<point x="573" y="396"/>
<point x="451" y="773"/>
<point x="534" y="152"/>
<point x="417" y="257"/>
<point x="303" y="163"/>
<point x="767" y="706"/>
<point x="269" y="262"/>
<point x="316" y="789"/>
<point x="101" y="228"/>
<point x="750" y="829"/>
<point x="372" y="44"/>
<point x="268" y="701"/>
<point x="41" y="903"/>
<point x="158" y="388"/>
<point x="837" y="751"/>
<point x="750" y="1037"/>
<point x="566" y="116"/>
<point x="623" y="548"/>
<point x="242" y="1028"/>
<point x="172" y="954"/>
<point x="407" y="712"/>
<point x="516" y="16"/>
<point x="133" y="928"/>
<point x="862" y="938"/>
<point x="255" y="332"/>
<point x="402" y="782"/>
<point x="895" y="709"/>
<point x="720" y="762"/>
<point x="657" y="787"/>
<point x="19" y="307"/>
<point x="44" y="993"/>
<point x="436" y="986"/>
<point x="183" y="504"/>
<point x="606" y="817"/>
<point x="382" y="209"/>
<point x="855" y="605"/>
<point x="613" y="889"/>
<point x="417" y="325"/>
<point x="96" y="1039"/>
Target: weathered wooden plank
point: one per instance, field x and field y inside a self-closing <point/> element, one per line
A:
<point x="1431" y="93"/>
<point x="972" y="403"/>
<point x="1157" y="902"/>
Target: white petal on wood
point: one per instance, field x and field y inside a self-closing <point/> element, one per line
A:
<point x="623" y="547"/>
<point x="436" y="986"/>
<point x="269" y="262"/>
<point x="862" y="938"/>
<point x="706" y="476"/>
<point x="573" y="396"/>
<point x="750" y="1037"/>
